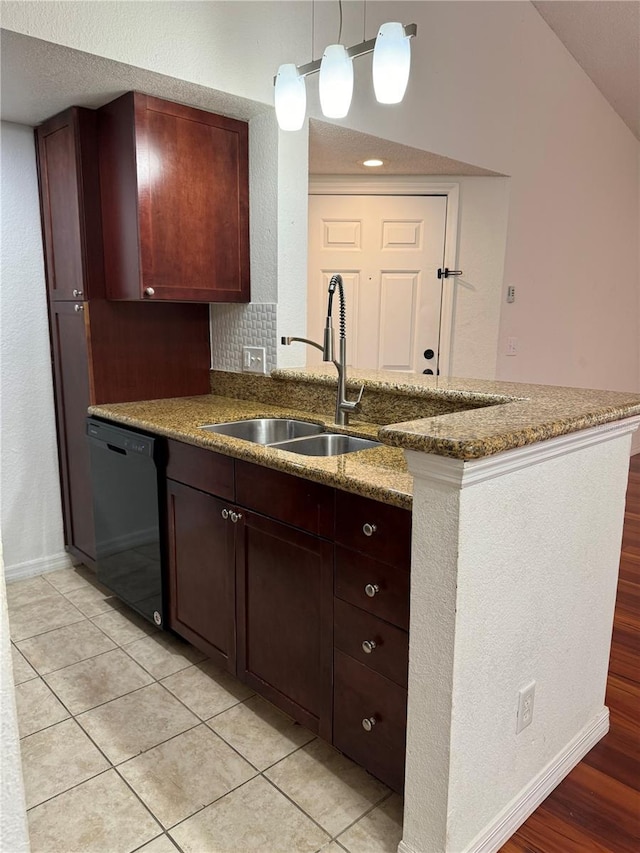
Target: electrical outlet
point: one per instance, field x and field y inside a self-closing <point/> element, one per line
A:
<point x="512" y="346"/>
<point x="526" y="696"/>
<point x="511" y="294"/>
<point x="254" y="360"/>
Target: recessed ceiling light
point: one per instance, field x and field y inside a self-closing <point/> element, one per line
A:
<point x="373" y="163"/>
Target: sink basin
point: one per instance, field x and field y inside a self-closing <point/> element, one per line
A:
<point x="327" y="444"/>
<point x="265" y="430"/>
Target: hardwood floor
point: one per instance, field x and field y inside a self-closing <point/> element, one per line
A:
<point x="597" y="807"/>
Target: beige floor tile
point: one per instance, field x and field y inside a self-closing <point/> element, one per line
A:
<point x="333" y="847"/>
<point x="206" y="689"/>
<point x="163" y="654"/>
<point x="92" y="682"/>
<point x="65" y="646"/>
<point x="91" y="600"/>
<point x="66" y="579"/>
<point x="162" y="844"/>
<point x="123" y="625"/>
<point x="27" y="591"/>
<point x="99" y="816"/>
<point x="57" y="759"/>
<point x="327" y="786"/>
<point x="378" y="832"/>
<point x="37" y="707"/>
<point x="260" y="732"/>
<point x="134" y="723"/>
<point x="44" y="613"/>
<point x="253" y="817"/>
<point x="22" y="669"/>
<point x="184" y="774"/>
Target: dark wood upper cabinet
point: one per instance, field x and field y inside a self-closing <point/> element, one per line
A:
<point x="175" y="202"/>
<point x="70" y="204"/>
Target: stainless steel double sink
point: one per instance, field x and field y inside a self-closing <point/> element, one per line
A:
<point x="293" y="436"/>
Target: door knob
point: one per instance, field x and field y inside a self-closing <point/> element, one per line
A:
<point x="368" y="646"/>
<point x="372" y="589"/>
<point x="368" y="723"/>
<point x="368" y="529"/>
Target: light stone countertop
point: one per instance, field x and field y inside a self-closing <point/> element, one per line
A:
<point x="460" y="418"/>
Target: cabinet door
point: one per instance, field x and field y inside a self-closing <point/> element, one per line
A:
<point x="201" y="572"/>
<point x="284" y="583"/>
<point x="175" y="202"/>
<point x="69" y="324"/>
<point x="70" y="204"/>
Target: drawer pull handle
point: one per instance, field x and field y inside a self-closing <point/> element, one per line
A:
<point x="368" y="723"/>
<point x="78" y="308"/>
<point x="225" y="514"/>
<point x="368" y="646"/>
<point x="368" y="529"/>
<point x="235" y="516"/>
<point x="372" y="589"/>
<point x="149" y="291"/>
<point x="77" y="293"/>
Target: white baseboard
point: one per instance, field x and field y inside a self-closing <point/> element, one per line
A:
<point x="521" y="807"/>
<point x="31" y="568"/>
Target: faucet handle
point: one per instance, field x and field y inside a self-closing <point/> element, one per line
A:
<point x="351" y="406"/>
<point x="359" y="397"/>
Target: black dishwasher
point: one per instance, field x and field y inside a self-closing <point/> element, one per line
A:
<point x="126" y="471"/>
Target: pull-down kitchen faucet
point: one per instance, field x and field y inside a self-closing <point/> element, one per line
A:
<point x="343" y="406"/>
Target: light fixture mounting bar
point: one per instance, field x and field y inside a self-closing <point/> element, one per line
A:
<point x="410" y="30"/>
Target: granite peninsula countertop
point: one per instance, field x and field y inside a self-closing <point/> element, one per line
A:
<point x="379" y="473"/>
<point x="460" y="418"/>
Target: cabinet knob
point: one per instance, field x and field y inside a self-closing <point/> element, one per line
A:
<point x="77" y="294"/>
<point x="149" y="291"/>
<point x="225" y="514"/>
<point x="235" y="516"/>
<point x="372" y="589"/>
<point x="368" y="646"/>
<point x="368" y="723"/>
<point x="368" y="529"/>
<point x="78" y="308"/>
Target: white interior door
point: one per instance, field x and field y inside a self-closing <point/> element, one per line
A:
<point x="388" y="250"/>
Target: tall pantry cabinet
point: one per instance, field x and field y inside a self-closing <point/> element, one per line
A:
<point x="102" y="351"/>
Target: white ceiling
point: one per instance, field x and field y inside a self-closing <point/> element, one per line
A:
<point x="603" y="36"/>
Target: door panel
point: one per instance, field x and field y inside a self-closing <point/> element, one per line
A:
<point x="72" y="396"/>
<point x="388" y="250"/>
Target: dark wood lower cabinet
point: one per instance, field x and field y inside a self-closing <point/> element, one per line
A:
<point x="285" y="621"/>
<point x="310" y="641"/>
<point x="201" y="572"/>
<point x="370" y="719"/>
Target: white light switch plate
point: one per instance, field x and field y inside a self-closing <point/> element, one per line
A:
<point x="254" y="360"/>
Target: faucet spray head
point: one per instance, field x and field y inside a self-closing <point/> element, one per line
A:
<point x="328" y="348"/>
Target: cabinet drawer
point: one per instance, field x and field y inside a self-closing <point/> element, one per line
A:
<point x="354" y="573"/>
<point x="286" y="498"/>
<point x="389" y="528"/>
<point x="361" y="694"/>
<point x="388" y="646"/>
<point x="203" y="469"/>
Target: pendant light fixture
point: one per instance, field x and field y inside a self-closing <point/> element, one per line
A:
<point x="336" y="81"/>
<point x="391" y="63"/>
<point x="290" y="97"/>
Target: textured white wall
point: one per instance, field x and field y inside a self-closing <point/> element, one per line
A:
<point x="513" y="580"/>
<point x="14" y="836"/>
<point x="479" y="293"/>
<point x="30" y="514"/>
<point x="514" y="101"/>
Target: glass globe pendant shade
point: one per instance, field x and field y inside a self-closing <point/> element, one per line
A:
<point x="336" y="81"/>
<point x="391" y="64"/>
<point x="290" y="98"/>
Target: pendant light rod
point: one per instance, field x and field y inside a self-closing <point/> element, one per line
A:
<point x="410" y="30"/>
